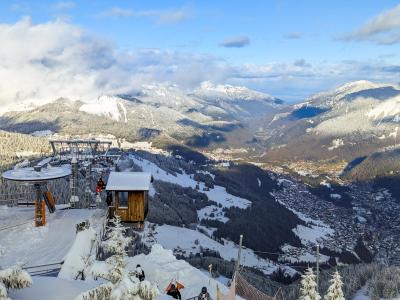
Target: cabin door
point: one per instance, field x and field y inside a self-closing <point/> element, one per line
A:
<point x="136" y="206"/>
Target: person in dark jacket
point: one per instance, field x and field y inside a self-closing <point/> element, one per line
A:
<point x="204" y="295"/>
<point x="139" y="273"/>
<point x="109" y="198"/>
<point x="174" y="292"/>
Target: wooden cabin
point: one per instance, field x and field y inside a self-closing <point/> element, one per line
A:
<point x="130" y="194"/>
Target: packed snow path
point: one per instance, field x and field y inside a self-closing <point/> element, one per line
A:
<point x="29" y="245"/>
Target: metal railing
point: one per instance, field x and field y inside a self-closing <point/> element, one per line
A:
<point x="44" y="270"/>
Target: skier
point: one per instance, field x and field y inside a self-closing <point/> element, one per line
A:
<point x="139" y="273"/>
<point x="100" y="186"/>
<point x="204" y="295"/>
<point x="174" y="292"/>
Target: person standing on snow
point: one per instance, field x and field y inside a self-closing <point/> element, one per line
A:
<point x="174" y="292"/>
<point x="204" y="295"/>
<point x="139" y="273"/>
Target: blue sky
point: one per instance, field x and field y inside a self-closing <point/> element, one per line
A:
<point x="289" y="49"/>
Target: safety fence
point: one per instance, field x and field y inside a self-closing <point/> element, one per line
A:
<point x="51" y="270"/>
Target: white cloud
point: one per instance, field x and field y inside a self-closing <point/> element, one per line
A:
<point x="63" y="5"/>
<point x="382" y="29"/>
<point x="160" y="17"/>
<point x="235" y="42"/>
<point x="116" y="12"/>
<point x="293" y="35"/>
<point x="43" y="62"/>
<point x="170" y="16"/>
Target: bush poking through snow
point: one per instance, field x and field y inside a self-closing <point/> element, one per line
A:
<point x="102" y="292"/>
<point x="3" y="291"/>
<point x="308" y="289"/>
<point x="122" y="284"/>
<point x="335" y="291"/>
<point x="14" y="278"/>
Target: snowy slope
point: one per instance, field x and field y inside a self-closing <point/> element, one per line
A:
<point x="168" y="95"/>
<point x="353" y="120"/>
<point x="217" y="194"/>
<point x="29" y="245"/>
<point x="80" y="249"/>
<point x="189" y="241"/>
<point x="52" y="288"/>
<point x="161" y="267"/>
<point x="387" y="109"/>
<point x="210" y="91"/>
<point x="111" y="107"/>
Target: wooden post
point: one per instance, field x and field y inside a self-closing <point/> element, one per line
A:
<point x="239" y="254"/>
<point x="43" y="212"/>
<point x="317" y="266"/>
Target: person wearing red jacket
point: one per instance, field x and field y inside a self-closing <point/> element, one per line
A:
<point x="174" y="292"/>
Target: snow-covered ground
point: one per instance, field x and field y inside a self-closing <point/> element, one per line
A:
<point x="312" y="233"/>
<point x="315" y="231"/>
<point x="189" y="241"/>
<point x="82" y="248"/>
<point x="52" y="288"/>
<point x="108" y="106"/>
<point x="217" y="194"/>
<point x="29" y="245"/>
<point x="162" y="267"/>
<point x="294" y="255"/>
<point x="42" y="133"/>
<point x="362" y="294"/>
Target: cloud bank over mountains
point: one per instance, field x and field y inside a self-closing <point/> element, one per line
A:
<point x="383" y="29"/>
<point x="42" y="62"/>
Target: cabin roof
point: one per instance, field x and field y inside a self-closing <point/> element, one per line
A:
<point x="128" y="181"/>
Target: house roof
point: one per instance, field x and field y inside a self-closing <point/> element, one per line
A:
<point x="129" y="181"/>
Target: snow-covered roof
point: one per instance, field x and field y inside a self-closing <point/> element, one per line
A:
<point x="128" y="181"/>
<point x="29" y="174"/>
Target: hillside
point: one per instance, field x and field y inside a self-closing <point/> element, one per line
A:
<point x="15" y="147"/>
<point x="198" y="119"/>
<point x="349" y="122"/>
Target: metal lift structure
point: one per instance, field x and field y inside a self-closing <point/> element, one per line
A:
<point x="39" y="176"/>
<point x="85" y="156"/>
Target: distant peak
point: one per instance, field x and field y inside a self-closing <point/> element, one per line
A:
<point x="358" y="85"/>
<point x="208" y="89"/>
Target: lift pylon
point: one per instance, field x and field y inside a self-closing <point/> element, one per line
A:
<point x="38" y="177"/>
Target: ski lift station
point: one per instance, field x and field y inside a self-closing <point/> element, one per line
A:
<point x="130" y="194"/>
<point x="83" y="163"/>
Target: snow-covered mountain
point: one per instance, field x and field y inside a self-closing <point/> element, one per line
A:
<point x="154" y="110"/>
<point x="107" y="106"/>
<point x="353" y="120"/>
<point x="219" y="92"/>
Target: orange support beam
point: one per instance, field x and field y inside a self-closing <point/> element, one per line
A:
<point x="43" y="213"/>
<point x="40" y="213"/>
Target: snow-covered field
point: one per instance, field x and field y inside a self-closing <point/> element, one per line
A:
<point x="315" y="231"/>
<point x="294" y="255"/>
<point x="162" y="267"/>
<point x="29" y="245"/>
<point x="108" y="106"/>
<point x="189" y="241"/>
<point x="312" y="233"/>
<point x="52" y="288"/>
<point x="217" y="194"/>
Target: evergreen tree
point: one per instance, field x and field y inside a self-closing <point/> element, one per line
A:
<point x="14" y="278"/>
<point x="308" y="289"/>
<point x="122" y="284"/>
<point x="335" y="289"/>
